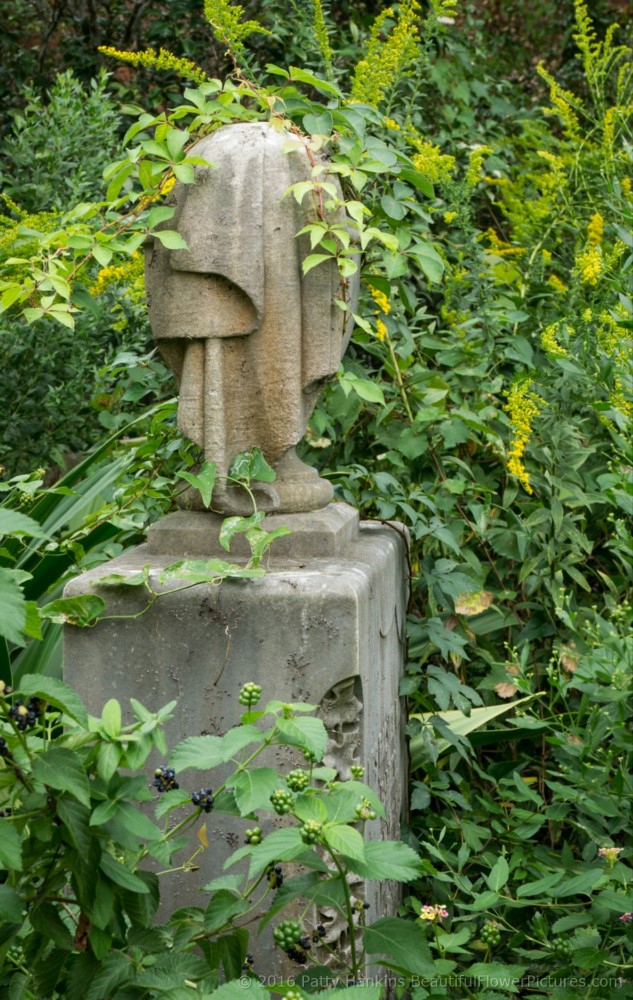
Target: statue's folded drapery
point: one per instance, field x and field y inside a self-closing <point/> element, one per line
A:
<point x="251" y="339"/>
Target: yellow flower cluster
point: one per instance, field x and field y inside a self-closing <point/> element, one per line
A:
<point x="450" y="217"/>
<point x="549" y="342"/>
<point x="476" y="158"/>
<point x="129" y="274"/>
<point x="430" y="160"/>
<point x="595" y="230"/>
<point x="589" y="263"/>
<point x="163" y="60"/>
<point x="562" y="105"/>
<point x="391" y="123"/>
<point x="502" y="249"/>
<point x="387" y="58"/>
<point x="321" y="35"/>
<point x="555" y="282"/>
<point x="384" y="307"/>
<point x="522" y="407"/>
<point x="618" y="348"/>
<point x="226" y="20"/>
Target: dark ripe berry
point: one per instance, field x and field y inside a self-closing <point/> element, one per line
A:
<point x="165" y="779"/>
<point x="248" y="963"/>
<point x="282" y="801"/>
<point x="250" y="694"/>
<point x="4" y="751"/>
<point x="305" y="943"/>
<point x="321" y="930"/>
<point x="203" y="799"/>
<point x="275" y="877"/>
<point x="298" y="780"/>
<point x="5" y="689"/>
<point x="253" y="836"/>
<point x="297" y="955"/>
<point x="310" y="831"/>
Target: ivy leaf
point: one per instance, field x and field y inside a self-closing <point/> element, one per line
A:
<point x="203" y="480"/>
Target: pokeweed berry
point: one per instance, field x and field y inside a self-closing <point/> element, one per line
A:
<point x="250" y="694"/>
<point x="491" y="933"/>
<point x="165" y="779"/>
<point x="203" y="799"/>
<point x="364" y="810"/>
<point x="275" y="876"/>
<point x="253" y="836"/>
<point x="298" y="780"/>
<point x="282" y="801"/>
<point x="310" y="831"/>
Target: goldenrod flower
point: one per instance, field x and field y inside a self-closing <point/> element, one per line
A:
<point x="430" y="161"/>
<point x="476" y="158"/>
<point x="381" y="301"/>
<point x="387" y="58"/>
<point x="450" y="217"/>
<point x="555" y="282"/>
<point x="381" y="330"/>
<point x="589" y="265"/>
<point x="549" y="343"/>
<point x="163" y="60"/>
<point x="523" y="407"/>
<point x="595" y="230"/>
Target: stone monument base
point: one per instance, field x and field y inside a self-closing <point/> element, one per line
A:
<point x="325" y="625"/>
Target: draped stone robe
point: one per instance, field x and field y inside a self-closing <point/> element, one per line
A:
<point x="252" y="341"/>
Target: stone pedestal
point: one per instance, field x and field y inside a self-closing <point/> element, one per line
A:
<point x="325" y="625"/>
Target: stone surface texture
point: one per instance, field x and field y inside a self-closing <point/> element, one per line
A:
<point x="252" y="341"/>
<point x="326" y="625"/>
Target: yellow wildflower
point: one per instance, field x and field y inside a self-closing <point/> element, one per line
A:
<point x="476" y="158"/>
<point x="450" y="217"/>
<point x="589" y="265"/>
<point x="522" y="407"/>
<point x="164" y="59"/>
<point x="430" y="161"/>
<point x="381" y="330"/>
<point x="587" y="315"/>
<point x="392" y="124"/>
<point x="546" y="255"/>
<point x="554" y="282"/>
<point x="549" y="343"/>
<point x="626" y="187"/>
<point x="168" y="185"/>
<point x="130" y="273"/>
<point x="387" y="58"/>
<point x="381" y="301"/>
<point x="502" y="249"/>
<point x="563" y="102"/>
<point x="595" y="230"/>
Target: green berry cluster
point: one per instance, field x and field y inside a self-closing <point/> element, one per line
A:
<point x="491" y="934"/>
<point x="253" y="835"/>
<point x="298" y="780"/>
<point x="310" y="757"/>
<point x="357" y="772"/>
<point x="292" y="995"/>
<point x="290" y="938"/>
<point x="364" y="810"/>
<point x="250" y="694"/>
<point x="311" y="831"/>
<point x="282" y="801"/>
<point x="561" y="947"/>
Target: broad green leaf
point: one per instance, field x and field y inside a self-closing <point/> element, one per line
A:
<point x="232" y="526"/>
<point x="403" y="943"/>
<point x="206" y="752"/>
<point x="63" y="770"/>
<point x="75" y="816"/>
<point x="111" y="718"/>
<point x="345" y="840"/>
<point x="79" y="611"/>
<point x="11" y="905"/>
<point x="114" y="970"/>
<point x="122" y="876"/>
<point x="459" y="724"/>
<point x="253" y="788"/>
<point x="318" y="124"/>
<point x="56" y="693"/>
<point x="387" y="859"/>
<point x="223" y="906"/>
<point x="10" y="846"/>
<point x="498" y="875"/>
<point x="306" y="732"/>
<point x="501" y="977"/>
<point x="203" y="480"/>
<point x="13" y="604"/>
<point x="241" y="989"/>
<point x="14" y="523"/>
<point x="169" y="237"/>
<point x="541" y="886"/>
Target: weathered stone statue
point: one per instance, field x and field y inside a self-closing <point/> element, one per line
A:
<point x="252" y="341"/>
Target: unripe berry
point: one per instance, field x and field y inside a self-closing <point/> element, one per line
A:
<point x="250" y="694"/>
<point x="297" y="780"/>
<point x="282" y="801"/>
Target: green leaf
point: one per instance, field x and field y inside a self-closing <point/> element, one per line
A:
<point x="62" y="769"/>
<point x="540" y="887"/>
<point x="206" y="752"/>
<point x="57" y="693"/>
<point x="504" y="977"/>
<point x="460" y="725"/>
<point x="498" y="875"/>
<point x="13" y="604"/>
<point x="111" y="718"/>
<point x="388" y="859"/>
<point x="429" y="260"/>
<point x="318" y="124"/>
<point x="253" y="789"/>
<point x="241" y="989"/>
<point x="307" y="733"/>
<point x="114" y="970"/>
<point x="11" y="905"/>
<point x="206" y="571"/>
<point x="403" y="942"/>
<point x="75" y="817"/>
<point x="313" y="260"/>
<point x="345" y="840"/>
<point x="231" y="526"/>
<point x="169" y="237"/>
<point x="121" y="875"/>
<point x="14" y="523"/>
<point x="79" y="611"/>
<point x="223" y="906"/>
<point x="185" y="174"/>
<point x="203" y="480"/>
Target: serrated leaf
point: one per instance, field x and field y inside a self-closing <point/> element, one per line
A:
<point x="206" y="752"/>
<point x="505" y="977"/>
<point x="14" y="523"/>
<point x="307" y="733"/>
<point x="403" y="942"/>
<point x="63" y="770"/>
<point x="13" y="604"/>
<point x="253" y="789"/>
<point x="57" y="693"/>
<point x="121" y="875"/>
<point x="385" y="859"/>
<point x="75" y="816"/>
<point x="11" y="905"/>
<point x="345" y="840"/>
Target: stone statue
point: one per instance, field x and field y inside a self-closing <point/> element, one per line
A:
<point x="251" y="340"/>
